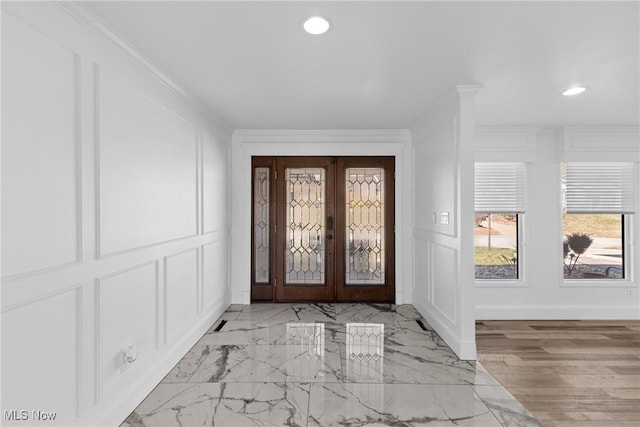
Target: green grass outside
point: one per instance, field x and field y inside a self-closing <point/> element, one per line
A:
<point x="593" y="225"/>
<point x="486" y="256"/>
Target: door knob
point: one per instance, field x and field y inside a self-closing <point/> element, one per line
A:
<point x="329" y="237"/>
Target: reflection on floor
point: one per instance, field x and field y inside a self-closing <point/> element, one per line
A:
<point x="326" y="365"/>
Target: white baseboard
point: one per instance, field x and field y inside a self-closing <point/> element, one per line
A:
<point x="556" y="312"/>
<point x="463" y="349"/>
<point x="140" y="389"/>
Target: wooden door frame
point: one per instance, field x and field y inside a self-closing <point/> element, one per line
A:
<point x="263" y="291"/>
<point x="367" y="293"/>
<point x="305" y="293"/>
<point x="352" y="293"/>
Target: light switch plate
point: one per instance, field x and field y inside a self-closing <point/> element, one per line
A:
<point x="444" y="218"/>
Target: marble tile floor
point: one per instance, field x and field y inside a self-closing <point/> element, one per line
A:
<point x="326" y="365"/>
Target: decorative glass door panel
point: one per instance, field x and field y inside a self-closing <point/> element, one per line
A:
<point x="261" y="224"/>
<point x="305" y="226"/>
<point x="364" y="211"/>
<point x="314" y="205"/>
<point x="304" y="222"/>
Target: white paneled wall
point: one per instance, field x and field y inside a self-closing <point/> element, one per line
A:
<point x="40" y="110"/>
<point x="147" y="170"/>
<point x="180" y="292"/>
<point x="115" y="224"/>
<point x="443" y="219"/>
<point x="126" y="310"/>
<point x="40" y="356"/>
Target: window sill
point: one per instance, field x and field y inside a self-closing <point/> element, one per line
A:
<point x="500" y="283"/>
<point x="600" y="283"/>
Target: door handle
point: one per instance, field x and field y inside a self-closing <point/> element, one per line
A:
<point x="329" y="237"/>
<point x="330" y="223"/>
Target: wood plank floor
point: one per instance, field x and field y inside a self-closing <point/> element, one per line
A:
<point x="579" y="373"/>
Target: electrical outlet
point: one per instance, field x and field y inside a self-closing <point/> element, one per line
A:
<point x="629" y="292"/>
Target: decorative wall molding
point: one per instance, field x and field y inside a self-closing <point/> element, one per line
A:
<point x="80" y="341"/>
<point x="99" y="392"/>
<point x="78" y="124"/>
<point x="321" y="136"/>
<point x="198" y="301"/>
<point x="453" y="281"/>
<point x="97" y="163"/>
<point x="28" y="345"/>
<point x="223" y="244"/>
<point x="600" y="144"/>
<point x="199" y="181"/>
<point x="78" y="144"/>
<point x="100" y="254"/>
<point x="149" y="246"/>
<point x="102" y="30"/>
<point x="495" y="143"/>
<point x="217" y="234"/>
<point x="38" y="272"/>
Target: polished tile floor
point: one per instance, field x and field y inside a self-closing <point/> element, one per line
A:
<point x="326" y="365"/>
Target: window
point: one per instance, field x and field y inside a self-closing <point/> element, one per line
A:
<point x="499" y="208"/>
<point x="596" y="198"/>
<point x="593" y="246"/>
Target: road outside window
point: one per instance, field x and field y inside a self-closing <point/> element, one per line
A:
<point x="496" y="246"/>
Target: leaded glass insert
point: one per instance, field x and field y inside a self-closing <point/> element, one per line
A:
<point x="261" y="224"/>
<point x="365" y="226"/>
<point x="305" y="223"/>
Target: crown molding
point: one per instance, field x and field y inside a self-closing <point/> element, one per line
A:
<point x="86" y="18"/>
<point x="96" y="26"/>
<point x="322" y="136"/>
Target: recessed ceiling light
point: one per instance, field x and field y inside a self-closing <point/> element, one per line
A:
<point x="574" y="90"/>
<point x="316" y="25"/>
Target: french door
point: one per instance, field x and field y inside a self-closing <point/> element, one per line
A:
<point x="323" y="229"/>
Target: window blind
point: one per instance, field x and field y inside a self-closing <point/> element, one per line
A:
<point x="500" y="187"/>
<point x="600" y="187"/>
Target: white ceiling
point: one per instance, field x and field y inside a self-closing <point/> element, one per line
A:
<point x="383" y="64"/>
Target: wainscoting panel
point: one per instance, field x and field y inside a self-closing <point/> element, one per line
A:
<point x="147" y="170"/>
<point x="40" y="122"/>
<point x="126" y="305"/>
<point x="215" y="183"/>
<point x="214" y="270"/>
<point x="444" y="279"/>
<point x="180" y="292"/>
<point x="422" y="289"/>
<point x="40" y="359"/>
